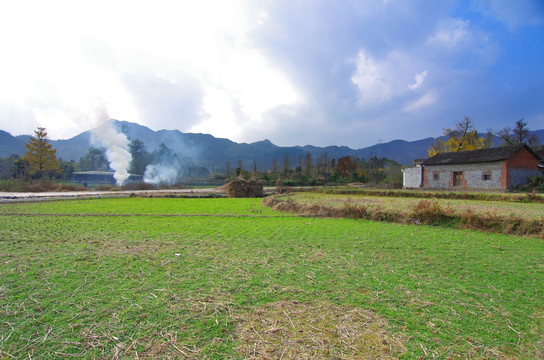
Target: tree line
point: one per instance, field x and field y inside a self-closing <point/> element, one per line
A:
<point x="40" y="161"/>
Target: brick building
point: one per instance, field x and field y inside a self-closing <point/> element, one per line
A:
<point x="495" y="168"/>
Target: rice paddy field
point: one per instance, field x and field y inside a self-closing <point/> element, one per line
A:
<point x="135" y="278"/>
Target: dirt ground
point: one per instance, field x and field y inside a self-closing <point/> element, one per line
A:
<point x="30" y="196"/>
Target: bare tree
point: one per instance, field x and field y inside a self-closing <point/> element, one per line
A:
<point x="308" y="164"/>
<point x="275" y="166"/>
<point x="254" y="173"/>
<point x="228" y="169"/>
<point x="285" y="165"/>
<point x="488" y="139"/>
<point x="518" y="135"/>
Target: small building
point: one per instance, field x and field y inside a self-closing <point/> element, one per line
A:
<point x="94" y="177"/>
<point x="412" y="176"/>
<point x="504" y="168"/>
<point x="101" y="177"/>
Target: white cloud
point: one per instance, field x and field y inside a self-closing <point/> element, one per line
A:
<point x="418" y="78"/>
<point x="424" y="101"/>
<point x="451" y="33"/>
<point x="379" y="82"/>
<point x="370" y="79"/>
<point x="57" y="62"/>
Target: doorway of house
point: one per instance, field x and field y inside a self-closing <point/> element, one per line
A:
<point x="457" y="178"/>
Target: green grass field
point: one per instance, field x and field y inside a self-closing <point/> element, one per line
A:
<point x="229" y="278"/>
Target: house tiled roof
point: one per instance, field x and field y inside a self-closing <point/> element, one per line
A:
<point x="540" y="154"/>
<point x="476" y="156"/>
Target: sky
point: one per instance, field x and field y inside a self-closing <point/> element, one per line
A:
<point x="296" y="72"/>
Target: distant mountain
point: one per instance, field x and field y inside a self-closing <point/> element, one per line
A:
<point x="211" y="152"/>
<point x="10" y="144"/>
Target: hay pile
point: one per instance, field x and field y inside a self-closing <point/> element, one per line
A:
<point x="240" y="188"/>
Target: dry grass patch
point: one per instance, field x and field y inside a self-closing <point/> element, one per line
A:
<point x="322" y="330"/>
<point x="122" y="247"/>
<point x="428" y="212"/>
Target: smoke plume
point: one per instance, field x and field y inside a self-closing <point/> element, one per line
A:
<point x="161" y="174"/>
<point x="116" y="144"/>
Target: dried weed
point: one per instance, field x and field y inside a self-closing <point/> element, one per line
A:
<point x="322" y="330"/>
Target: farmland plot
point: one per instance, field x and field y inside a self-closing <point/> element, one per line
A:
<point x="229" y="278"/>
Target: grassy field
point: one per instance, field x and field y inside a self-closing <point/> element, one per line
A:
<point x="229" y="278"/>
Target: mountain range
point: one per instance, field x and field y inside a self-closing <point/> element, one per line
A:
<point x="209" y="151"/>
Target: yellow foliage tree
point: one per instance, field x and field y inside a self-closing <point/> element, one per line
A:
<point x="463" y="138"/>
<point x="41" y="155"/>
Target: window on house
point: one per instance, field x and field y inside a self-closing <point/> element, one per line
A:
<point x="486" y="175"/>
<point x="436" y="176"/>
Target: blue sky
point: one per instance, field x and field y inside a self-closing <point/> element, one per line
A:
<point x="297" y="72"/>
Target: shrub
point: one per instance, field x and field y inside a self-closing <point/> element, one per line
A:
<point x="429" y="212"/>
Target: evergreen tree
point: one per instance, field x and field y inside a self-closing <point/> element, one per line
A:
<point x="94" y="160"/>
<point x="40" y="155"/>
<point x="140" y="157"/>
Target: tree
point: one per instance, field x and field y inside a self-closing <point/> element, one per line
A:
<point x="285" y="165"/>
<point x="7" y="165"/>
<point x="323" y="163"/>
<point x="274" y="166"/>
<point x="345" y="166"/>
<point x="19" y="169"/>
<point x="228" y="169"/>
<point x="254" y="173"/>
<point x="463" y="138"/>
<point x="40" y="155"/>
<point x="68" y="168"/>
<point x="94" y="160"/>
<point x="518" y="135"/>
<point x="308" y="164"/>
<point x="140" y="157"/>
<point x="488" y="139"/>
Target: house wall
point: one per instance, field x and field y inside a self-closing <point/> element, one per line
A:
<point x="519" y="168"/>
<point x="472" y="175"/>
<point x="412" y="176"/>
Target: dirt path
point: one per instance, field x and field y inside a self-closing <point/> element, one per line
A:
<point x="34" y="196"/>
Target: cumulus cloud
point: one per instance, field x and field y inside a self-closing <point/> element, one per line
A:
<point x="418" y="78"/>
<point x="370" y="79"/>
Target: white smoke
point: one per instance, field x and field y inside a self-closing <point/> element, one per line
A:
<point x="161" y="174"/>
<point x="116" y="144"/>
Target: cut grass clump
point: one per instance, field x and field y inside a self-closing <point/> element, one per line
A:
<point x="320" y="330"/>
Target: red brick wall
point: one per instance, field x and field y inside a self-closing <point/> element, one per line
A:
<point x="523" y="159"/>
<point x="504" y="176"/>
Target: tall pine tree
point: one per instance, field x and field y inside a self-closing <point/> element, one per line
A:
<point x="41" y="155"/>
